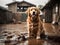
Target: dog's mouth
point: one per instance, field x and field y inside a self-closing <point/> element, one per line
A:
<point x="34" y="13"/>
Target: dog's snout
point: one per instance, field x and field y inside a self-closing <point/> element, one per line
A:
<point x="33" y="13"/>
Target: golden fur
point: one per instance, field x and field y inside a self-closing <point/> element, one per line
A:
<point x="33" y="22"/>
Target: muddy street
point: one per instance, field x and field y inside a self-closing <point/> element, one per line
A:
<point x="32" y="42"/>
<point x="14" y="27"/>
<point x="49" y="29"/>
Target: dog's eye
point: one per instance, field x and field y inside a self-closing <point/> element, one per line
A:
<point x="31" y="9"/>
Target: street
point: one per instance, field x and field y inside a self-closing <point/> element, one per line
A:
<point x="50" y="30"/>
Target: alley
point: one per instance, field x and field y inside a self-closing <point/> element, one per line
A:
<point x="15" y="14"/>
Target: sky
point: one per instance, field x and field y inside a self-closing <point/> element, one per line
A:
<point x="36" y="2"/>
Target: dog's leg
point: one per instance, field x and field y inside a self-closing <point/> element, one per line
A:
<point x="28" y="28"/>
<point x="39" y="28"/>
<point x="35" y="30"/>
<point x="34" y="34"/>
<point x="31" y="30"/>
<point x="38" y="33"/>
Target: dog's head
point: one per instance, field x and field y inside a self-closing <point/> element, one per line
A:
<point x="33" y="11"/>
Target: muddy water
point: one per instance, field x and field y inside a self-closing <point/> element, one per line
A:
<point x="14" y="27"/>
<point x="23" y="28"/>
<point x="32" y="42"/>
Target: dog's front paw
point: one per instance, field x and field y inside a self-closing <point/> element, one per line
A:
<point x="38" y="37"/>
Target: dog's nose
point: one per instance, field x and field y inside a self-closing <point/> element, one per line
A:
<point x="33" y="13"/>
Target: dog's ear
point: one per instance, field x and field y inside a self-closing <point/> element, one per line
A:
<point x="38" y="10"/>
<point x="28" y="10"/>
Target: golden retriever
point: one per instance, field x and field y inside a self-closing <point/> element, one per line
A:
<point x="33" y="22"/>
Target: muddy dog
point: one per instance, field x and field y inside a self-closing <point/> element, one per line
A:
<point x="34" y="23"/>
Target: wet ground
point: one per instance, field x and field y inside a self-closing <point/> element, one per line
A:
<point x="51" y="30"/>
<point x="32" y="42"/>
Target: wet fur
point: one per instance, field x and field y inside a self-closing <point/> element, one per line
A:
<point x="34" y="24"/>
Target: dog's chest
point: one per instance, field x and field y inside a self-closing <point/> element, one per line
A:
<point x="34" y="25"/>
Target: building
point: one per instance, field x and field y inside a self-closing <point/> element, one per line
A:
<point x="5" y="15"/>
<point x="19" y="6"/>
<point x="52" y="11"/>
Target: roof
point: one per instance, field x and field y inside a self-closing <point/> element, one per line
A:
<point x="2" y="8"/>
<point x="27" y="3"/>
<point x="20" y="3"/>
<point x="12" y="3"/>
<point x="50" y="4"/>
